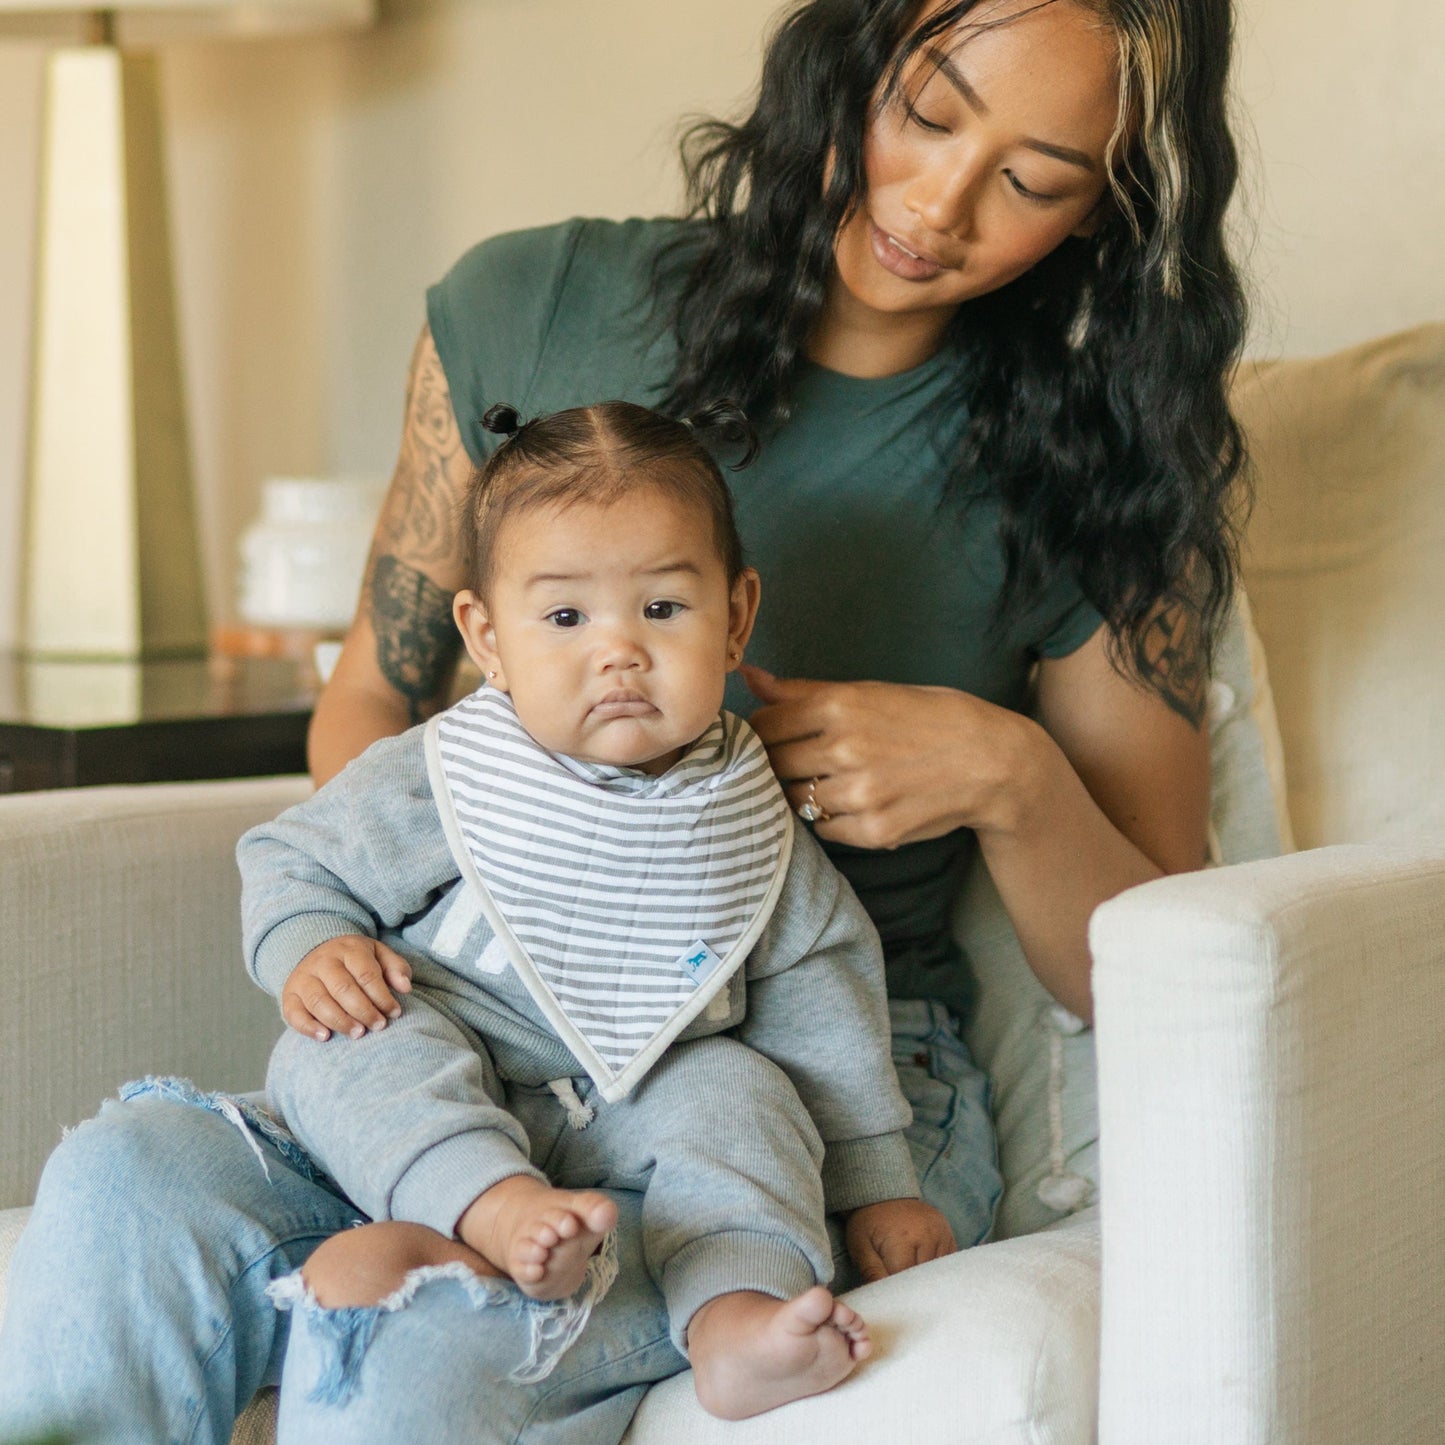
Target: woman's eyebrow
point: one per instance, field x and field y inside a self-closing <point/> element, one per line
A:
<point x="943" y="63"/>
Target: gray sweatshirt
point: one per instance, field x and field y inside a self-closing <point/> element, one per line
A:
<point x="368" y="855"/>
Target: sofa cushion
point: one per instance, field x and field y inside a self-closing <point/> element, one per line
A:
<point x="992" y="1346"/>
<point x="1343" y="565"/>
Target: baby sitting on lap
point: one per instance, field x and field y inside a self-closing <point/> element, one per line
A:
<point x="624" y="965"/>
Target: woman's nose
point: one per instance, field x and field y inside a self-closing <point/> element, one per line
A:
<point x="943" y="196"/>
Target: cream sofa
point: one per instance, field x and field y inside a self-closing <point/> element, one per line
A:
<point x="1267" y="1264"/>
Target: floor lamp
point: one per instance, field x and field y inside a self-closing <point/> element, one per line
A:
<point x="111" y="562"/>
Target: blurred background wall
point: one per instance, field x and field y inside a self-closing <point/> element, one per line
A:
<point x="317" y="188"/>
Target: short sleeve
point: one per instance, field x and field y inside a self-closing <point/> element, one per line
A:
<point x="490" y="317"/>
<point x="1071" y="628"/>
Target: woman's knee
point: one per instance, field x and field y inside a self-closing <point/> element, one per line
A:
<point x="360" y="1268"/>
<point x="127" y="1149"/>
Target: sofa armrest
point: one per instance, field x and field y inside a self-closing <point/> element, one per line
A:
<point x="1272" y="1116"/>
<point x="120" y="931"/>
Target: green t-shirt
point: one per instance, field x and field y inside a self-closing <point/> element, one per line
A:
<point x="863" y="574"/>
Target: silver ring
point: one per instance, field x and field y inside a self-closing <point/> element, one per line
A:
<point x="810" y="810"/>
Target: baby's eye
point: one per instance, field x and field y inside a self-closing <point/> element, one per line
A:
<point x="661" y="611"/>
<point x="565" y="617"/>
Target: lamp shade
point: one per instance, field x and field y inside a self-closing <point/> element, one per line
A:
<point x="111" y="560"/>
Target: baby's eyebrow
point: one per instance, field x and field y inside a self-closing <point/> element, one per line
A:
<point x="683" y="566"/>
<point x="538" y="578"/>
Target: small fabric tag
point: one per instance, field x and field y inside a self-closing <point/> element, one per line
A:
<point x="698" y="962"/>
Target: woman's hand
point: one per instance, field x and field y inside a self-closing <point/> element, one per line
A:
<point x="895" y="1235"/>
<point x="893" y="763"/>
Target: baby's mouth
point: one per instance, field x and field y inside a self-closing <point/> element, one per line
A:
<point x="621" y="704"/>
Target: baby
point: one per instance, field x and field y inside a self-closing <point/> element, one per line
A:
<point x="625" y="965"/>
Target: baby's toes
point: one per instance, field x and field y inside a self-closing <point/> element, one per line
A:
<point x="544" y="1233"/>
<point x="566" y="1224"/>
<point x="598" y="1213"/>
<point x="531" y="1251"/>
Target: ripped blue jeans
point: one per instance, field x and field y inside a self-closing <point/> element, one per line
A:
<point x="139" y="1313"/>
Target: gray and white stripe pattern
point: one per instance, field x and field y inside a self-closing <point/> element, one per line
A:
<point x="606" y="876"/>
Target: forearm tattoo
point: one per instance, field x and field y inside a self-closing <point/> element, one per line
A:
<point x="416" y="642"/>
<point x="1171" y="659"/>
<point x="418" y="519"/>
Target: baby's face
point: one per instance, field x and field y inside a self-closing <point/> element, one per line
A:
<point x="612" y="627"/>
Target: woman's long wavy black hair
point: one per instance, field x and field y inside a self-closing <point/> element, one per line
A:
<point x="1094" y="386"/>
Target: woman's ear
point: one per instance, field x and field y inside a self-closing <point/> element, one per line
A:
<point x="742" y="613"/>
<point x="479" y="637"/>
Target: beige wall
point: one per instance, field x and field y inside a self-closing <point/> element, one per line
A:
<point x="318" y="187"/>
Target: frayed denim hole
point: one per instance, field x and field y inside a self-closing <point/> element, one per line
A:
<point x="237" y="1110"/>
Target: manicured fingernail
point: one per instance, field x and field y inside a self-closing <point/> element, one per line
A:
<point x="357" y="1032"/>
<point x="322" y="1035"/>
<point x="395" y="1013"/>
<point x="378" y="1026"/>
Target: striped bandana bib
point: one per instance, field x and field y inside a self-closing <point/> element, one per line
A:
<point x="625" y="902"/>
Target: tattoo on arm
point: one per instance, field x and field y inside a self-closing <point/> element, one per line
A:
<point x="416" y="642"/>
<point x="1170" y="657"/>
<point x="418" y="520"/>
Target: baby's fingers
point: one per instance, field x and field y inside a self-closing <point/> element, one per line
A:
<point x="396" y="969"/>
<point x="300" y="1018"/>
<point x="310" y="1010"/>
<point x="356" y="982"/>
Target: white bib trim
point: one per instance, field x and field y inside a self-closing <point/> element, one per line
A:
<point x="600" y="882"/>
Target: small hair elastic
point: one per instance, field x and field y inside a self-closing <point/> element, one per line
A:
<point x="503" y="419"/>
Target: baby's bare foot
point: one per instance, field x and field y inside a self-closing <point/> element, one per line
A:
<point x="751" y="1352"/>
<point x="542" y="1237"/>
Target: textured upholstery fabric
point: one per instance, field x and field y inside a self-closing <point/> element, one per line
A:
<point x="108" y="970"/>
<point x="1271" y="1096"/>
<point x="12" y="1221"/>
<point x="1343" y="566"/>
<point x="995" y="1346"/>
<point x="257" y="1425"/>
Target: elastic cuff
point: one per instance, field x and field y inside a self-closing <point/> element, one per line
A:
<point x="441" y="1185"/>
<point x="867" y="1171"/>
<point x="290" y="941"/>
<point x="734" y="1259"/>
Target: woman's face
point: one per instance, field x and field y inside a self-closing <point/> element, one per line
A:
<point x="990" y="153"/>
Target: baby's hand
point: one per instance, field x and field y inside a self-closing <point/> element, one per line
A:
<point x="342" y="985"/>
<point x="895" y="1235"/>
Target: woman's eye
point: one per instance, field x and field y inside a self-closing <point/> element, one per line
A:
<point x="1025" y="191"/>
<point x="565" y="617"/>
<point x="922" y="121"/>
<point x="661" y="611"/>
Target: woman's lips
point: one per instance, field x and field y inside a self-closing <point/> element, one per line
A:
<point x="893" y="256"/>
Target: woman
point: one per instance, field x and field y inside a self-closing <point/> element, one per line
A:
<point x="964" y="264"/>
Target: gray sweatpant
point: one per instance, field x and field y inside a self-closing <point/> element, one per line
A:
<point x="715" y="1136"/>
